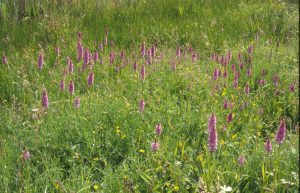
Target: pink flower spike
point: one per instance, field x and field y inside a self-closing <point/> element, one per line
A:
<point x="25" y="155"/>
<point x="45" y="101"/>
<point x="212" y="133"/>
<point x="143" y="73"/>
<point x="71" y="67"/>
<point x="249" y="72"/>
<point x="292" y="87"/>
<point x="143" y="49"/>
<point x="194" y="57"/>
<point x="247" y="89"/>
<point x="77" y="102"/>
<point x="40" y="61"/>
<point x="268" y="146"/>
<point x="79" y="51"/>
<point x="229" y="117"/>
<point x="141" y="105"/>
<point x="134" y="66"/>
<point x="225" y="103"/>
<point x="90" y="79"/>
<point x="112" y="57"/>
<point x="280" y="135"/>
<point x="71" y="87"/>
<point x="96" y="56"/>
<point x="158" y="129"/>
<point x="4" y="59"/>
<point x="242" y="160"/>
<point x="62" y="85"/>
<point x="155" y="146"/>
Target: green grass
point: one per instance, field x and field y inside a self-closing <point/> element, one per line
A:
<point x="104" y="145"/>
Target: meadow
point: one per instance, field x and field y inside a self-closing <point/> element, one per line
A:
<point x="149" y="96"/>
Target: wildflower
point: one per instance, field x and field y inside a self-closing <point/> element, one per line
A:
<point x="153" y="50"/>
<point x="233" y="67"/>
<point x="281" y="132"/>
<point x="95" y="187"/>
<point x="235" y="82"/>
<point x="96" y="56"/>
<point x="216" y="74"/>
<point x="239" y="56"/>
<point x="77" y="102"/>
<point x="111" y="57"/>
<point x="158" y="129"/>
<point x="141" y="105"/>
<point x="143" y="49"/>
<point x="86" y="57"/>
<point x="45" y="102"/>
<point x="148" y="59"/>
<point x="40" y="61"/>
<point x="225" y="74"/>
<point x="223" y="61"/>
<point x="71" y="87"/>
<point x="242" y="160"/>
<point x="249" y="72"/>
<point x="268" y="146"/>
<point x="229" y="117"/>
<point x="176" y="188"/>
<point x="229" y="56"/>
<point x="241" y="65"/>
<point x="79" y="36"/>
<point x="143" y="72"/>
<point x="250" y="49"/>
<point x="79" y="51"/>
<point x="62" y="84"/>
<point x="225" y="189"/>
<point x="4" y="59"/>
<point x="212" y="133"/>
<point x="122" y="55"/>
<point x="142" y="151"/>
<point x="194" y="57"/>
<point x="65" y="73"/>
<point x="247" y="89"/>
<point x="155" y="146"/>
<point x="225" y="103"/>
<point x="292" y="87"/>
<point x="25" y="155"/>
<point x="90" y="79"/>
<point x="71" y="67"/>
<point x="134" y="66"/>
<point x="262" y="82"/>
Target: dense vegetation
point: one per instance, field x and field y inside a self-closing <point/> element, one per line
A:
<point x="149" y="96"/>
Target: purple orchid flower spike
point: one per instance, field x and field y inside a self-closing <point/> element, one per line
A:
<point x="212" y="133"/>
